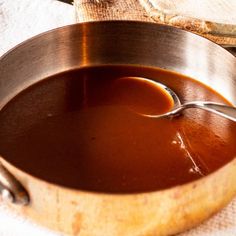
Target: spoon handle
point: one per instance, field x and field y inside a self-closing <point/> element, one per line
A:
<point x="228" y="112"/>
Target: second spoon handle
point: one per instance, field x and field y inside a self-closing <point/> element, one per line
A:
<point x="228" y="112"/>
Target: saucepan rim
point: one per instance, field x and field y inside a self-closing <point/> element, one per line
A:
<point x="174" y="29"/>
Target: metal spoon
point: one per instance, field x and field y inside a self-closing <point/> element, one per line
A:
<point x="228" y="112"/>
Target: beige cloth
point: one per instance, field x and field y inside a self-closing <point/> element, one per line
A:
<point x="222" y="224"/>
<point x="21" y="19"/>
<point x="217" y="11"/>
<point x="213" y="19"/>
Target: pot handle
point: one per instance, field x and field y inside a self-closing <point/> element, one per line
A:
<point x="11" y="189"/>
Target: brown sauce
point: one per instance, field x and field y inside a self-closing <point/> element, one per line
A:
<point x="82" y="129"/>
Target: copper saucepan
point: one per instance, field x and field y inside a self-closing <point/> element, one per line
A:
<point x="83" y="213"/>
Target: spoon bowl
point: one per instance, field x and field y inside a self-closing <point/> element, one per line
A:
<point x="223" y="110"/>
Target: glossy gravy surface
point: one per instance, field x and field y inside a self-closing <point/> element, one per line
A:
<point x="82" y="129"/>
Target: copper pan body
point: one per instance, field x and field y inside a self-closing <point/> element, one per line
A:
<point x="76" y="212"/>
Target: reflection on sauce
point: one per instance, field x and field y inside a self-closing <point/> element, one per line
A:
<point x="81" y="129"/>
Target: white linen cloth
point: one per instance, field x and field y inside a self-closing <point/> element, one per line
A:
<point x="22" y="19"/>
